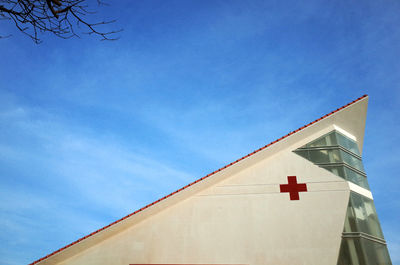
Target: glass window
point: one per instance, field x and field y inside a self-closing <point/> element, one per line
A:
<point x="350" y="223"/>
<point x="337" y="170"/>
<point x="352" y="160"/>
<point x="356" y="178"/>
<point x="362" y="217"/>
<point x="319" y="155"/>
<point x="375" y="253"/>
<point x="326" y="140"/>
<point x="335" y="138"/>
<point x="361" y="251"/>
<point x="348" y="174"/>
<point x="351" y="252"/>
<point x="303" y="153"/>
<point x="347" y="143"/>
<point x="324" y="156"/>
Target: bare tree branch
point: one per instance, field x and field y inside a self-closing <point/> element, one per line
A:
<point x="6" y="10"/>
<point x="59" y="17"/>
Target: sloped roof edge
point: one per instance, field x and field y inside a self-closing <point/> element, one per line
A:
<point x="198" y="180"/>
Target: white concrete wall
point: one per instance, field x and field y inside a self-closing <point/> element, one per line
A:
<point x="241" y="220"/>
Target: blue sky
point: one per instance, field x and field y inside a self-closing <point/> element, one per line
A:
<point x="91" y="131"/>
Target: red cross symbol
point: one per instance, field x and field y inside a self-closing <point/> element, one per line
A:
<point x="293" y="187"/>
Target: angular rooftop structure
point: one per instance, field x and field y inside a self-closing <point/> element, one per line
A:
<point x="302" y="199"/>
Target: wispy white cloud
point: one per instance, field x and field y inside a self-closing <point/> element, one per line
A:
<point x="77" y="178"/>
<point x="190" y="87"/>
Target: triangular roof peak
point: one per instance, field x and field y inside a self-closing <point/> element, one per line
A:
<point x="349" y="118"/>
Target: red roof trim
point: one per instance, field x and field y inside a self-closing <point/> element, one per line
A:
<point x="200" y="179"/>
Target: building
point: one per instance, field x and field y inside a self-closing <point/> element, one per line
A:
<point x="302" y="199"/>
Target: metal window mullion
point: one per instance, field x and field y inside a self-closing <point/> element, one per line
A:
<point x="350" y="152"/>
<point x="343" y="164"/>
<point x="332" y="147"/>
<point x="355" y="169"/>
<point x="363" y="235"/>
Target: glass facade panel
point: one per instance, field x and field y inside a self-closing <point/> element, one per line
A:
<point x="351" y="252"/>
<point x="362" y="242"/>
<point x="352" y="160"/>
<point x="319" y="156"/>
<point x="362" y="217"/>
<point x="326" y="150"/>
<point x="324" y="156"/>
<point x="361" y="251"/>
<point x="333" y="139"/>
<point x="326" y="140"/>
<point x="348" y="174"/>
<point x="303" y="153"/>
<point x="350" y="223"/>
<point x="375" y="253"/>
<point x="337" y="170"/>
<point x="356" y="178"/>
<point x="347" y="143"/>
<point x="362" y="221"/>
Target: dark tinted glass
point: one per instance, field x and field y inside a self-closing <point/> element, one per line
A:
<point x="303" y="153"/>
<point x="351" y="252"/>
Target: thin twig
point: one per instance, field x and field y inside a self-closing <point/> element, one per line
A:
<point x="58" y="17"/>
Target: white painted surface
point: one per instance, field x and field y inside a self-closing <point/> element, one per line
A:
<point x="360" y="190"/>
<point x="242" y="220"/>
<point x="345" y="133"/>
<point x="238" y="215"/>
